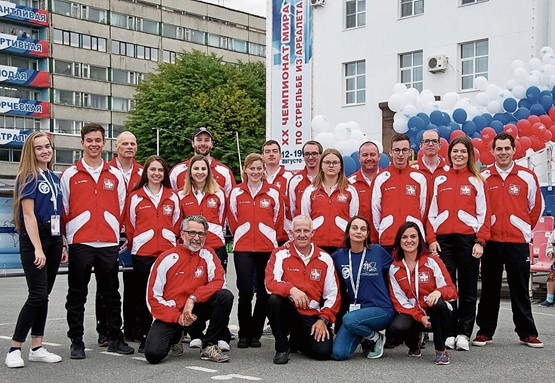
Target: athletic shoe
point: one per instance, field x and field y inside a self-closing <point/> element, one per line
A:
<point x="462" y="343"/>
<point x="532" y="341"/>
<point x="255" y="343"/>
<point x="14" y="359"/>
<point x="281" y="357"/>
<point x="120" y="347"/>
<point x="545" y="303"/>
<point x="442" y="358"/>
<point x="176" y="349"/>
<point x="77" y="349"/>
<point x="214" y="354"/>
<point x="42" y="355"/>
<point x="223" y="345"/>
<point x="415" y="353"/>
<point x="450" y="343"/>
<point x="142" y="345"/>
<point x="377" y="351"/>
<point x="482" y="340"/>
<point x="243" y="343"/>
<point x="103" y="340"/>
<point x="195" y="343"/>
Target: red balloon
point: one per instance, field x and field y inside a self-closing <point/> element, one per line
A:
<point x="488" y="134"/>
<point x="455" y="134"/>
<point x="486" y="157"/>
<point x="537" y="129"/>
<point x="511" y="129"/>
<point x="546" y="120"/>
<point x="478" y="143"/>
<point x="420" y="154"/>
<point x="524" y="128"/>
<point x="537" y="144"/>
<point x="552" y="130"/>
<point x="443" y="148"/>
<point x="547" y="135"/>
<point x="533" y="119"/>
<point x="525" y="142"/>
<point x="552" y="113"/>
<point x="476" y="155"/>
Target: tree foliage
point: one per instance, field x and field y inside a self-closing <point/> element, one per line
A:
<point x="200" y="90"/>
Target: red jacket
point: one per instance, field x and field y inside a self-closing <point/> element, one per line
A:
<point x="136" y="173"/>
<point x="442" y="168"/>
<point x="398" y="196"/>
<point x="297" y="186"/>
<point x="178" y="273"/>
<point x="213" y="208"/>
<point x="330" y="213"/>
<point x="460" y="205"/>
<point x="221" y="173"/>
<point x="317" y="280"/>
<point x="515" y="204"/>
<point x="363" y="187"/>
<point x="254" y="221"/>
<point x="151" y="230"/>
<point x="93" y="211"/>
<point x="281" y="179"/>
<point x="432" y="275"/>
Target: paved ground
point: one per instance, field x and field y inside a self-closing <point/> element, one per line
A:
<point x="505" y="360"/>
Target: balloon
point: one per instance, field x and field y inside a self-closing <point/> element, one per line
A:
<point x="546" y="120"/>
<point x="436" y="117"/>
<point x="478" y="144"/>
<point x="476" y="154"/>
<point x="497" y="126"/>
<point x="480" y="122"/>
<point x="459" y="115"/>
<point x="409" y="110"/>
<point x="510" y="104"/>
<point x="424" y="117"/>
<point x="384" y="161"/>
<point x="431" y="127"/>
<point x="455" y="134"/>
<point x="450" y="99"/>
<point x="419" y="134"/>
<point x="534" y="63"/>
<point x="469" y="127"/>
<point x="400" y="126"/>
<point x="537" y="129"/>
<point x="446" y="119"/>
<point x="480" y="83"/>
<point x="342" y="131"/>
<point x="552" y="113"/>
<point x="379" y="145"/>
<point x="504" y="118"/>
<point x="517" y="64"/>
<point x="519" y="91"/>
<point x="546" y="101"/>
<point x="546" y="51"/>
<point x="355" y="126"/>
<point x="533" y="119"/>
<point x="524" y="103"/>
<point x="494" y="106"/>
<point x="492" y="91"/>
<point x="415" y="146"/>
<point x="524" y="128"/>
<point x="399" y="88"/>
<point x="327" y="140"/>
<point x="525" y="142"/>
<point x="488" y="134"/>
<point x="519" y="153"/>
<point x="320" y="124"/>
<point x="552" y="130"/>
<point x="444" y="146"/>
<point x="488" y="118"/>
<point x="511" y="129"/>
<point x="537" y="110"/>
<point x="537" y="144"/>
<point x="533" y="93"/>
<point x="486" y="157"/>
<point x="444" y="131"/>
<point x="415" y="124"/>
<point x="522" y="113"/>
<point x="350" y="165"/>
<point x="483" y="99"/>
<point x="547" y="135"/>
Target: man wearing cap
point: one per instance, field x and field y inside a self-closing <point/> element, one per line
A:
<point x="202" y="144"/>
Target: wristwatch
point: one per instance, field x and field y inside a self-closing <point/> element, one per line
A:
<point x="326" y="322"/>
<point x="193" y="298"/>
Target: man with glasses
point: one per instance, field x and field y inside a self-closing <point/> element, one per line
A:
<point x="312" y="150"/>
<point x="369" y="158"/>
<point x="398" y="195"/>
<point x="186" y="286"/>
<point x="431" y="164"/>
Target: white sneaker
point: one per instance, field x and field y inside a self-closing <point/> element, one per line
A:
<point x="195" y="343"/>
<point x="42" y="355"/>
<point x="462" y="343"/>
<point x="450" y="343"/>
<point x="14" y="359"/>
<point x="223" y="345"/>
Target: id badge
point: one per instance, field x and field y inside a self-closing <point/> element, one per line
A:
<point x="55" y="225"/>
<point x="354" y="307"/>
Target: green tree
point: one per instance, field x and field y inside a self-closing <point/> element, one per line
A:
<point x="201" y="90"/>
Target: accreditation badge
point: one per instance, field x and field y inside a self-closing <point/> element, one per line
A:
<point x="55" y="225"/>
<point x="354" y="307"/>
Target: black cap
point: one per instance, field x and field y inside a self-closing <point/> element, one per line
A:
<point x="200" y="130"/>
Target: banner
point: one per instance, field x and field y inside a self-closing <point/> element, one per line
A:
<point x="24" y="14"/>
<point x="13" y="138"/>
<point x="23" y="45"/>
<point x="22" y="76"/>
<point x="24" y="107"/>
<point x="291" y="78"/>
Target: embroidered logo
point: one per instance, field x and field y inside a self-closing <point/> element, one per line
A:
<point x="345" y="272"/>
<point x="44" y="188"/>
<point x="369" y="267"/>
<point x="264" y="203"/>
<point x="278" y="184"/>
<point x="342" y="198"/>
<point x="514" y="189"/>
<point x="199" y="272"/>
<point x="167" y="209"/>
<point x="410" y="190"/>
<point x="315" y="274"/>
<point x="423" y="277"/>
<point x="465" y="190"/>
<point x="211" y="203"/>
<point x="108" y="185"/>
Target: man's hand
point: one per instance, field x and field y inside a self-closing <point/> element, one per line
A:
<point x="320" y="331"/>
<point x="477" y="250"/>
<point x="426" y="321"/>
<point x="187" y="317"/>
<point x="433" y="298"/>
<point x="435" y="248"/>
<point x="299" y="298"/>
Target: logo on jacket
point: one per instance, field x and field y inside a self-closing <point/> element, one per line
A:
<point x="44" y="188"/>
<point x="514" y="189"/>
<point x="341" y="198"/>
<point x="369" y="267"/>
<point x="167" y="209"/>
<point x="212" y="203"/>
<point x="346" y="272"/>
<point x="410" y="190"/>
<point x="264" y="203"/>
<point x="465" y="190"/>
<point x="315" y="274"/>
<point x="199" y="272"/>
<point x="108" y="185"/>
<point x="423" y="277"/>
<point x="278" y="184"/>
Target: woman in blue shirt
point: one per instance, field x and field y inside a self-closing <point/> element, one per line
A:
<point x="37" y="207"/>
<point x="362" y="269"/>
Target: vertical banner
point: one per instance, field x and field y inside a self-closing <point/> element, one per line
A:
<point x="291" y="78"/>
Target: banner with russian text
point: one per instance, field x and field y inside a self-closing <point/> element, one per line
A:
<point x="23" y="45"/>
<point x="24" y="14"/>
<point x="24" y="107"/>
<point x="22" y="76"/>
<point x="13" y="137"/>
<point x="291" y="78"/>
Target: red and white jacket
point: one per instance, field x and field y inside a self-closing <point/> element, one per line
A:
<point x="409" y="296"/>
<point x="178" y="273"/>
<point x="515" y="204"/>
<point x="297" y="186"/>
<point x="330" y="213"/>
<point x="92" y="211"/>
<point x="460" y="205"/>
<point x="254" y="221"/>
<point x="398" y="196"/>
<point x="442" y="168"/>
<point x="317" y="279"/>
<point x="280" y="179"/>
<point x="135" y="176"/>
<point x="363" y="187"/>
<point x="152" y="229"/>
<point x="213" y="208"/>
<point x="221" y="173"/>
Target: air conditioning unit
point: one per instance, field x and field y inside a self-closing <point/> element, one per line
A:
<point x="317" y="3"/>
<point x="437" y="63"/>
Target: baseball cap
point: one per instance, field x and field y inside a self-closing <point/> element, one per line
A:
<point x="200" y="130"/>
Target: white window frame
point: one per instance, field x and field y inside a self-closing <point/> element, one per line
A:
<point x="413" y="4"/>
<point x="356" y="76"/>
<point x="360" y="16"/>
<point x="412" y="68"/>
<point x="470" y="2"/>
<point x="474" y="59"/>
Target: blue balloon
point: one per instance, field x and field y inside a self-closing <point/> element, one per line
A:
<point x="469" y="127"/>
<point x="546" y="102"/>
<point x="431" y="127"/>
<point x="525" y="103"/>
<point x="497" y="126"/>
<point x="545" y="93"/>
<point x="454" y="125"/>
<point x="415" y="146"/>
<point x="459" y="115"/>
<point x="501" y="117"/>
<point x="509" y="118"/>
<point x="510" y="104"/>
<point x="533" y="94"/>
<point x="476" y="135"/>
<point x="354" y="156"/>
<point x="553" y="91"/>
<point x="424" y="118"/>
<point x="480" y="122"/>
<point x="384" y="161"/>
<point x="415" y="124"/>
<point x="419" y="134"/>
<point x="522" y="113"/>
<point x="444" y="131"/>
<point x="488" y="118"/>
<point x="537" y="110"/>
<point x="436" y="117"/>
<point x="350" y="165"/>
<point x="446" y="118"/>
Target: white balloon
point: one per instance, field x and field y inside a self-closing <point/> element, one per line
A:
<point x="494" y="106"/>
<point x="482" y="99"/>
<point x="409" y="111"/>
<point x="320" y="124"/>
<point x="429" y="107"/>
<point x="379" y="145"/>
<point x="358" y="136"/>
<point x="343" y="147"/>
<point x="352" y="146"/>
<point x="399" y="88"/>
<point x="342" y="131"/>
<point x="548" y="58"/>
<point x="327" y="140"/>
<point x="427" y="98"/>
<point x="517" y="64"/>
<point x="449" y="99"/>
<point x="519" y="91"/>
<point x="400" y="126"/>
<point x="534" y="63"/>
<point x="398" y="116"/>
<point x="492" y="91"/>
<point x="531" y="81"/>
<point x="409" y="97"/>
<point x="551" y="81"/>
<point x="546" y="50"/>
<point x="504" y="93"/>
<point x="472" y="112"/>
<point x="427" y="92"/>
<point x="511" y="84"/>
<point x="395" y="102"/>
<point x="353" y="125"/>
<point x="480" y="83"/>
<point x="520" y="74"/>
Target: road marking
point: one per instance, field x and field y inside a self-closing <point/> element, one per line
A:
<point x="111" y="353"/>
<point x="51" y="344"/>
<point x="141" y="358"/>
<point x="201" y="369"/>
<point x="231" y="376"/>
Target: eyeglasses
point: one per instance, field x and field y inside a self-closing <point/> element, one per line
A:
<point x="430" y="142"/>
<point x="331" y="163"/>
<point x="311" y="154"/>
<point x="399" y="150"/>
<point x="192" y="233"/>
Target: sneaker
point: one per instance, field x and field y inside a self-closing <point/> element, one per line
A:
<point x="281" y="357"/>
<point x="545" y="303"/>
<point x="377" y="351"/>
<point x="424" y="337"/>
<point x="255" y="343"/>
<point x="243" y="343"/>
<point x="14" y="359"/>
<point x="415" y="353"/>
<point x="442" y="358"/>
<point x="450" y="343"/>
<point x="176" y="349"/>
<point x="42" y="355"/>
<point x="103" y="340"/>
<point x="223" y="345"/>
<point x="481" y="340"/>
<point x="532" y="341"/>
<point x="77" y="349"/>
<point x="142" y="345"/>
<point x="119" y="346"/>
<point x="214" y="354"/>
<point x="195" y="343"/>
<point x="462" y="343"/>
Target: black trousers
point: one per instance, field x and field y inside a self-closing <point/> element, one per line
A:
<point x="141" y="269"/>
<point x="516" y="259"/>
<point x="162" y="334"/>
<point x="39" y="282"/>
<point x="405" y="327"/>
<point x="456" y="254"/>
<point x="221" y="252"/>
<point x="82" y="258"/>
<point x="285" y="320"/>
<point x="251" y="323"/>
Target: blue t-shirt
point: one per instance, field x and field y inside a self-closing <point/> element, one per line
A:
<point x="40" y="190"/>
<point x="373" y="291"/>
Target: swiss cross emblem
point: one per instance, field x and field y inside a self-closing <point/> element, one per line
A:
<point x="423" y="277"/>
<point x="410" y="190"/>
<point x="199" y="272"/>
<point x="167" y="209"/>
<point x="514" y="189"/>
<point x="315" y="274"/>
<point x="108" y="185"/>
<point x="264" y="203"/>
<point x="278" y="184"/>
<point x="342" y="198"/>
<point x="211" y="202"/>
<point x="465" y="190"/>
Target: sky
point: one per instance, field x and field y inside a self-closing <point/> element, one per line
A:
<point x="257" y="7"/>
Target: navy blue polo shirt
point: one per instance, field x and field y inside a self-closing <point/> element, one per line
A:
<point x="40" y="190"/>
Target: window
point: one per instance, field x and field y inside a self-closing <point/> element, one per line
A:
<point x="474" y="62"/>
<point x="118" y="20"/>
<point x="97" y="73"/>
<point x="195" y="36"/>
<point x="257" y="49"/>
<point x="150" y="26"/>
<point x="355" y="82"/>
<point x="168" y="56"/>
<point x="239" y="45"/>
<point x="64" y="97"/>
<point x="96" y="101"/>
<point x="411" y="69"/>
<point x="412" y="7"/>
<point x="355" y="13"/>
<point x="63" y="67"/>
<point x="119" y="76"/>
<point x="64" y="156"/>
<point x="121" y="104"/>
<point x="464" y="2"/>
<point x="62" y="7"/>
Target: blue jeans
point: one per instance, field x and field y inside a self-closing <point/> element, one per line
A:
<point x="356" y="325"/>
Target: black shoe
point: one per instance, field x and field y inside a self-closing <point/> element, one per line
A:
<point x="77" y="349"/>
<point x="141" y="349"/>
<point x="243" y="343"/>
<point x="103" y="340"/>
<point x="119" y="346"/>
<point x="255" y="343"/>
<point x="281" y="357"/>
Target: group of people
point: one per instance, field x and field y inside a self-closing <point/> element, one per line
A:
<point x="381" y="257"/>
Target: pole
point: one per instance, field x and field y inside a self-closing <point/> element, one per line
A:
<point x="238" y="148"/>
<point x="157" y="141"/>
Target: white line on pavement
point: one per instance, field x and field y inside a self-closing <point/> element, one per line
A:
<point x="201" y="369"/>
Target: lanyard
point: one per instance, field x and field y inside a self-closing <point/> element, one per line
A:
<point x="356" y="286"/>
<point x="415" y="291"/>
<point x="53" y="190"/>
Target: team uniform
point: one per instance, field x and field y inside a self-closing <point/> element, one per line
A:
<point x="297" y="186"/>
<point x="441" y="168"/>
<point x="221" y="173"/>
<point x="363" y="186"/>
<point x="280" y="179"/>
<point x="132" y="177"/>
